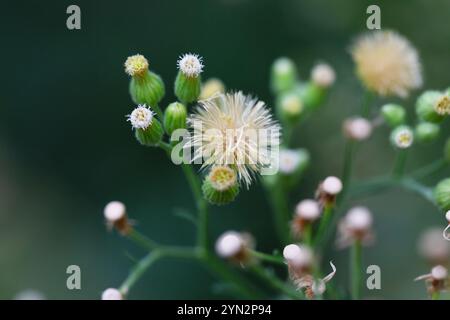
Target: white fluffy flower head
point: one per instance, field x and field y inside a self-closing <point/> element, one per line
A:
<point x="332" y="185"/>
<point x="439" y="272"/>
<point x="387" y="63"/>
<point x="112" y="294"/>
<point x="308" y="210"/>
<point x="298" y="256"/>
<point x="136" y="65"/>
<point x="229" y="244"/>
<point x="191" y="65"/>
<point x="114" y="211"/>
<point x="359" y="219"/>
<point x="141" y="117"/>
<point x="323" y="75"/>
<point x="235" y="130"/>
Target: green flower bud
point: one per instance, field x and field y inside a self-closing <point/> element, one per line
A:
<point x="402" y="137"/>
<point x="442" y="194"/>
<point x="431" y="106"/>
<point x="312" y="95"/>
<point x="220" y="185"/>
<point x="146" y="87"/>
<point x="188" y="81"/>
<point x="427" y="131"/>
<point x="393" y="114"/>
<point x="283" y="75"/>
<point x="289" y="107"/>
<point x="148" y="130"/>
<point x="447" y="150"/>
<point x="175" y="117"/>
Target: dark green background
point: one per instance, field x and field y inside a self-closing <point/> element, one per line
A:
<point x="66" y="149"/>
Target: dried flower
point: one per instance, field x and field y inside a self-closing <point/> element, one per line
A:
<point x="236" y="130"/>
<point x="116" y="216"/>
<point x="355" y="226"/>
<point x="387" y="63"/>
<point x="112" y="294"/>
<point x="328" y="190"/>
<point x="357" y="128"/>
<point x="235" y="247"/>
<point x="437" y="280"/>
<point x="306" y="212"/>
<point x="312" y="286"/>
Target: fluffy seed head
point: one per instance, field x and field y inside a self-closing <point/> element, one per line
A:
<point x="357" y="128"/>
<point x="114" y="211"/>
<point x="222" y="178"/>
<point x="439" y="272"/>
<point x="234" y="129"/>
<point x="402" y="137"/>
<point x="323" y="75"/>
<point x="112" y="294"/>
<point x="229" y="244"/>
<point x="141" y="117"/>
<point x="308" y="210"/>
<point x="332" y="185"/>
<point x="359" y="219"/>
<point x="136" y="65"/>
<point x="191" y="65"/>
<point x="387" y="63"/>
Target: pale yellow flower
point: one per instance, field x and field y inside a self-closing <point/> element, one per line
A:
<point x="387" y="63"/>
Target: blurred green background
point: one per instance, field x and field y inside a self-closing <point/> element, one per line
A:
<point x="66" y="148"/>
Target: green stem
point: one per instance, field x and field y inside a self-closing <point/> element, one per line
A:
<point x="307" y="234"/>
<point x="399" y="165"/>
<point x="267" y="257"/>
<point x="275" y="283"/>
<point x="435" y="295"/>
<point x="281" y="212"/>
<point x="356" y="269"/>
<point x="324" y="224"/>
<point x="138" y="270"/>
<point x="430" y="169"/>
<point x="366" y="104"/>
<point x="347" y="169"/>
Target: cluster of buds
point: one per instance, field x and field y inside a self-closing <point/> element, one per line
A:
<point x="300" y="262"/>
<point x="437" y="280"/>
<point x="236" y="247"/>
<point x="116" y="217"/>
<point x="356" y="226"/>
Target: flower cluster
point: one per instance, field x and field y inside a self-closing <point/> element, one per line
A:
<point x="236" y="140"/>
